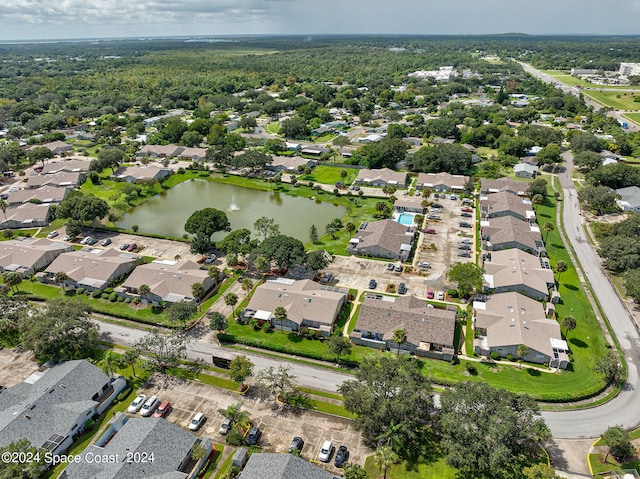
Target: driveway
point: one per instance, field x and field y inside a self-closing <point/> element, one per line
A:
<point x="278" y="428"/>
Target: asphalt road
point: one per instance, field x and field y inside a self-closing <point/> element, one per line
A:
<point x="625" y="408"/>
<point x="318" y="378"/>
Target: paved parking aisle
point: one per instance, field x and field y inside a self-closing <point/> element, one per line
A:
<point x="278" y="428"/>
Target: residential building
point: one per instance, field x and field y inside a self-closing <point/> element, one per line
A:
<point x="442" y="74"/>
<point x="509" y="232"/>
<point x="430" y="331"/>
<point x="315" y="150"/>
<point x="514" y="270"/>
<point x="629" y="199"/>
<point x="132" y="174"/>
<point x="169" y="281"/>
<point x="146" y="447"/>
<point x="506" y="204"/>
<point x="488" y="186"/>
<point x="441" y="182"/>
<point x="381" y="177"/>
<point x="44" y="194"/>
<point x="159" y="151"/>
<point x="29" y="255"/>
<point x="58" y="147"/>
<point x="307" y="304"/>
<point x="271" y="465"/>
<point x="412" y="204"/>
<point x="289" y="164"/>
<point x="73" y="165"/>
<point x="52" y="405"/>
<point x="193" y="154"/>
<point x="525" y="170"/>
<point x="293" y="146"/>
<point x="507" y="320"/>
<point x="90" y="268"/>
<point x="27" y="215"/>
<point x="371" y="138"/>
<point x="62" y="179"/>
<point x="629" y="69"/>
<point x="382" y="239"/>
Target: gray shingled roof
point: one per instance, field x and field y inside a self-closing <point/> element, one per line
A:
<point x="508" y="229"/>
<point x="282" y="466"/>
<point x="503" y="184"/>
<point x="36" y="409"/>
<point x="513" y="267"/>
<point x="170" y="444"/>
<point x="387" y="234"/>
<point x="505" y="201"/>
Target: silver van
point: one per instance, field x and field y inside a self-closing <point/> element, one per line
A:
<point x="150" y="406"/>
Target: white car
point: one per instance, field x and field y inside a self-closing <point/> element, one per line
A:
<point x="149" y="407"/>
<point x="440" y="295"/>
<point x="325" y="451"/>
<point x="224" y="427"/>
<point x="197" y="421"/>
<point x="136" y="404"/>
<point x="53" y="234"/>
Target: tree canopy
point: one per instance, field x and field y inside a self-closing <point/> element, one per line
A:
<point x="284" y="250"/>
<point x="207" y="221"/>
<point x="468" y="276"/>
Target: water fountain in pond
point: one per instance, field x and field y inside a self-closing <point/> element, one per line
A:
<point x="233" y="206"/>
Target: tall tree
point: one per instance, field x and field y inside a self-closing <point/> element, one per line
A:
<point x="488" y="431"/>
<point x="266" y="227"/>
<point x="161" y="351"/>
<point x="561" y="267"/>
<point x="390" y="397"/>
<point x="235" y="414"/>
<point x="468" y="276"/>
<point x="60" y="330"/>
<point x="181" y="312"/>
<point x="399" y="337"/>
<point x="12" y="279"/>
<point x="313" y="234"/>
<point x="130" y="358"/>
<point x="280" y="315"/>
<point x="609" y="367"/>
<point x="547" y="228"/>
<point x="218" y="321"/>
<point x="206" y="222"/>
<point x="284" y="250"/>
<point x="340" y="346"/>
<point x="31" y="469"/>
<point x="569" y="324"/>
<point x="385" y="457"/>
<point x="618" y="441"/>
<point x="240" y="369"/>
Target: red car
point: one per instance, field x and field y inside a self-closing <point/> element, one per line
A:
<point x="430" y="293"/>
<point x="430" y="231"/>
<point x="163" y="409"/>
<point x="132" y="247"/>
<point x="466" y="209"/>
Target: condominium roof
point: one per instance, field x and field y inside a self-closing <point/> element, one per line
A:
<point x="431" y="180"/>
<point x="282" y="466"/>
<point x="44" y="194"/>
<point x="288" y="162"/>
<point x="384" y="174"/>
<point x="508" y="229"/>
<point x="66" y="165"/>
<point x="512" y="267"/>
<point x="303" y="299"/>
<point x="49" y="402"/>
<point x="159" y="150"/>
<point x="503" y="184"/>
<point x="170" y="280"/>
<point x="29" y="253"/>
<point x="27" y="213"/>
<point x="385" y="314"/>
<point x="388" y="234"/>
<point x="147" y="172"/>
<point x="93" y="267"/>
<point x="65" y="178"/>
<point x="509" y="203"/>
<point x="513" y="319"/>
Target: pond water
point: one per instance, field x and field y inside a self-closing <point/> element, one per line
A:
<point x="168" y="212"/>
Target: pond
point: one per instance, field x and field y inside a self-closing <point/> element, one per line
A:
<point x="167" y="213"/>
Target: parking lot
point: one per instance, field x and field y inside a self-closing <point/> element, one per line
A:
<point x="440" y="250"/>
<point x="278" y="428"/>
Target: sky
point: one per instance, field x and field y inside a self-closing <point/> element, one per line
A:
<point x="77" y="19"/>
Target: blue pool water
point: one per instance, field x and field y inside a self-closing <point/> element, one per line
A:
<point x="405" y="219"/>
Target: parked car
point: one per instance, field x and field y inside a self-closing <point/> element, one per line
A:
<point x="150" y="406"/>
<point x="253" y="436"/>
<point x="224" y="427"/>
<point x="453" y="197"/>
<point x="325" y="451"/>
<point x="106" y="242"/>
<point x="398" y="268"/>
<point x="372" y="284"/>
<point x="163" y="409"/>
<point x="440" y="295"/>
<point x="132" y="247"/>
<point x="430" y="231"/>
<point x="137" y="404"/>
<point x="466" y="241"/>
<point x="389" y="266"/>
<point x="464" y="254"/>
<point x="402" y="289"/>
<point x="433" y="217"/>
<point x="467" y="201"/>
<point x="466" y="215"/>
<point x="424" y="264"/>
<point x="464" y="246"/>
<point x="296" y="444"/>
<point x="341" y="456"/>
<point x="85" y="240"/>
<point x="327" y="277"/>
<point x="197" y="421"/>
<point x="430" y="293"/>
<point x="89" y="240"/>
<point x="53" y="234"/>
<point x="124" y="247"/>
<point x="210" y="259"/>
<point x="464" y="224"/>
<point x="437" y="205"/>
<point x="467" y="209"/>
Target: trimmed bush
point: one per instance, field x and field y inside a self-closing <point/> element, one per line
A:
<point x="113" y="297"/>
<point x="495" y="355"/>
<point x="453" y="293"/>
<point x="108" y="290"/>
<point x="96" y="293"/>
<point x="104" y="296"/>
<point x="80" y="290"/>
<point x="120" y="299"/>
<point x="127" y="300"/>
<point x="509" y="357"/>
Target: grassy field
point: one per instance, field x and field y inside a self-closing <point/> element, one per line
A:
<point x="634" y="117"/>
<point x="273" y="127"/>
<point x="615" y="100"/>
<point x="328" y="175"/>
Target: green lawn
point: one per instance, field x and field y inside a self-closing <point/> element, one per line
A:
<point x="329" y="175"/>
<point x="615" y="100"/>
<point x="273" y="128"/>
<point x="634" y="117"/>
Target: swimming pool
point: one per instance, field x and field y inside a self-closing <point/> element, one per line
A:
<point x="405" y="219"/>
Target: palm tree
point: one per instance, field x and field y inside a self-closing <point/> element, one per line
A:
<point x="60" y="277"/>
<point x="197" y="289"/>
<point x="280" y="314"/>
<point x="130" y="357"/>
<point x="247" y="284"/>
<point x="399" y="337"/>
<point x="568" y="323"/>
<point x="385" y="457"/>
<point x="561" y="267"/>
<point x="144" y="290"/>
<point x="110" y="362"/>
<point x="3" y="207"/>
<point x="235" y="414"/>
<point x="523" y="351"/>
<point x="547" y="228"/>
